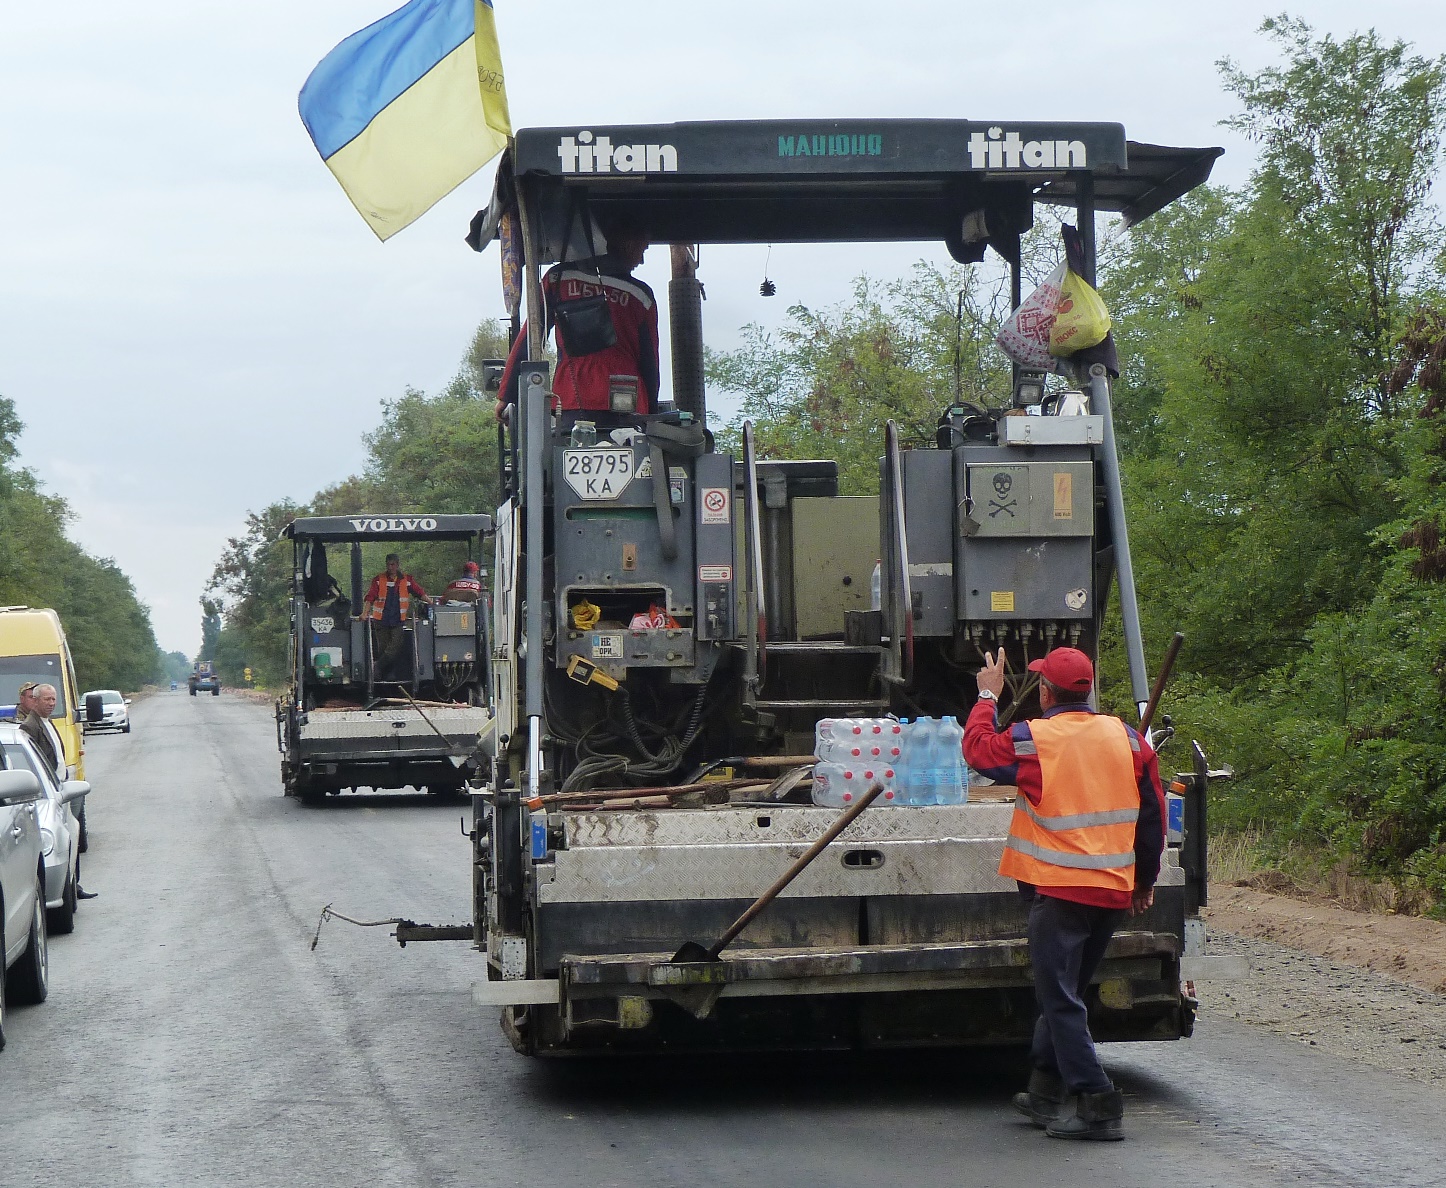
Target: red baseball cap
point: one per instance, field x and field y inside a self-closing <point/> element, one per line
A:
<point x="470" y="567"/>
<point x="1066" y="668"/>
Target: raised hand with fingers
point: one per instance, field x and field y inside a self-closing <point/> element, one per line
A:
<point x="991" y="676"/>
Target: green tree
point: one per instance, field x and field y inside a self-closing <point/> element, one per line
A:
<point x="1274" y="464"/>
<point x="109" y="629"/>
<point x="824" y="385"/>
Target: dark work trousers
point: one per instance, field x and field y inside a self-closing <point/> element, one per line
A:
<point x="387" y="645"/>
<point x="1066" y="944"/>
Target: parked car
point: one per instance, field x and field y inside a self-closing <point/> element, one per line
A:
<point x="24" y="957"/>
<point x="114" y="711"/>
<point x="59" y="827"/>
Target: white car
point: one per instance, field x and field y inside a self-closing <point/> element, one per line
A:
<point x="114" y="711"/>
<point x="24" y="955"/>
<point x="59" y="827"/>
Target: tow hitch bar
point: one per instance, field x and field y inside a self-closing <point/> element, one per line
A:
<point x="406" y="930"/>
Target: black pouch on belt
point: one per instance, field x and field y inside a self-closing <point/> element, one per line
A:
<point x="585" y="325"/>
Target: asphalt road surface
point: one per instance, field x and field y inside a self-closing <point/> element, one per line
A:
<point x="192" y="1038"/>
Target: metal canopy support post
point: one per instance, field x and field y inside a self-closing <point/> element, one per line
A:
<point x="532" y="415"/>
<point x="1115" y="499"/>
<point x="1099" y="381"/>
<point x="756" y="663"/>
<point x="1085" y="209"/>
<point x="357" y="577"/>
<point x="533" y="397"/>
<point x="685" y="330"/>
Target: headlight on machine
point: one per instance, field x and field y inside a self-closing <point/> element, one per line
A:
<point x="47" y="841"/>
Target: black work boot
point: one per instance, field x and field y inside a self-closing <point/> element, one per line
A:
<point x="1040" y="1103"/>
<point x="1098" y="1116"/>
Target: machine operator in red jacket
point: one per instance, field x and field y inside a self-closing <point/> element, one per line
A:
<point x="621" y="379"/>
<point x="1085" y="845"/>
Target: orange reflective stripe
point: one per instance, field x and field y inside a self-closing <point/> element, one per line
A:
<point x="1082" y="832"/>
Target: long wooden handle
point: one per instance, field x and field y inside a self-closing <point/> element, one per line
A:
<point x="1150" y="706"/>
<point x="846" y="818"/>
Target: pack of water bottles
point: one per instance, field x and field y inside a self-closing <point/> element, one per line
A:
<point x="919" y="762"/>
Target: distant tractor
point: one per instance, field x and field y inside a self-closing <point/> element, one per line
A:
<point x="204" y="678"/>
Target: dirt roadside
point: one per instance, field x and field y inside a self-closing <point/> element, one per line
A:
<point x="1406" y="948"/>
<point x="1366" y="987"/>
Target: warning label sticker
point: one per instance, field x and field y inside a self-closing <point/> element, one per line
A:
<point x="607" y="645"/>
<point x="1063" y="495"/>
<point x="715" y="573"/>
<point x="716" y="505"/>
<point x="1001" y="600"/>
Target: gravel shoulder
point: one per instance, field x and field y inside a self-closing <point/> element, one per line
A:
<point x="1365" y="987"/>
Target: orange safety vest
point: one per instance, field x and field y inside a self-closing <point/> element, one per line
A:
<point x="1082" y="832"/>
<point x="404" y="581"/>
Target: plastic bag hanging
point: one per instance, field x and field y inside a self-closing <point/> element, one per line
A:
<point x="1081" y="320"/>
<point x="1025" y="337"/>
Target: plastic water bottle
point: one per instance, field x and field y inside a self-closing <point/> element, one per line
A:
<point x="828" y="785"/>
<point x="953" y="786"/>
<point x="833" y="737"/>
<point x="927" y="777"/>
<point x="855" y="753"/>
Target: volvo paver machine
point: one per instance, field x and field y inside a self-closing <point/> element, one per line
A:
<point x="672" y="620"/>
<point x="353" y="717"/>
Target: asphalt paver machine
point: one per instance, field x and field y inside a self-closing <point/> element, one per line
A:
<point x="672" y="620"/>
<point x="353" y="717"/>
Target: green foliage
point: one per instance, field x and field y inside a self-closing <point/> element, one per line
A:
<point x="1276" y="469"/>
<point x="108" y="628"/>
<point x="175" y="666"/>
<point x="823" y="386"/>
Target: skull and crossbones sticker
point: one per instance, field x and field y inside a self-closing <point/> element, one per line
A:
<point x="1003" y="484"/>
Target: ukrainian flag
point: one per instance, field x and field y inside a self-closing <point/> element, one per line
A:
<point x="409" y="108"/>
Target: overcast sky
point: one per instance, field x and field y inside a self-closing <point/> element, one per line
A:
<point x="194" y="321"/>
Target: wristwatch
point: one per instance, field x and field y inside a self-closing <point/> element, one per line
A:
<point x="988" y="695"/>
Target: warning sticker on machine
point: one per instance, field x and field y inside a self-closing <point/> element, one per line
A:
<point x="607" y="645"/>
<point x="1063" y="495"/>
<point x="715" y="573"/>
<point x="715" y="503"/>
<point x="1001" y="600"/>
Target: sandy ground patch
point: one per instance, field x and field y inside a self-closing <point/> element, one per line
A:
<point x="1405" y="948"/>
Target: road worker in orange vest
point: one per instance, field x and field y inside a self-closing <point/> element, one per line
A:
<point x="387" y="604"/>
<point x="1085" y="847"/>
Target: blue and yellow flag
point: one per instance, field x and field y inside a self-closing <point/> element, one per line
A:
<point x="409" y="108"/>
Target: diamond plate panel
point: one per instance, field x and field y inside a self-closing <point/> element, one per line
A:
<point x="701" y="854"/>
<point x="737" y="871"/>
<point x="464" y="723"/>
<point x="786" y="823"/>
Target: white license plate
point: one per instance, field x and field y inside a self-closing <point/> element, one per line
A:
<point x="598" y="473"/>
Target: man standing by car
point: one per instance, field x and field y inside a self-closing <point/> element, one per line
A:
<point x="387" y="605"/>
<point x="39" y="705"/>
<point x="1084" y="845"/>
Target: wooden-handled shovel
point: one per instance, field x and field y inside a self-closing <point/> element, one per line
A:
<point x="693" y="952"/>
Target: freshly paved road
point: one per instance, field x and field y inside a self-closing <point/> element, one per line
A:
<point x="192" y="1038"/>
